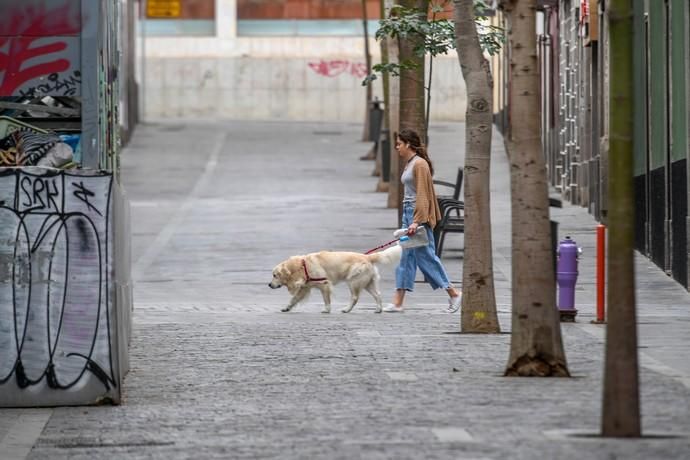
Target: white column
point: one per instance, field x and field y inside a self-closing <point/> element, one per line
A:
<point x="226" y="19"/>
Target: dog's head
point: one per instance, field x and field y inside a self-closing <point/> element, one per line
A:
<point x="280" y="276"/>
<point x="287" y="274"/>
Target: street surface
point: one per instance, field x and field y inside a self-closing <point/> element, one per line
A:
<point x="219" y="372"/>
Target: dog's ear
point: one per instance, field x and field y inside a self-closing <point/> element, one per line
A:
<point x="282" y="270"/>
<point x="295" y="275"/>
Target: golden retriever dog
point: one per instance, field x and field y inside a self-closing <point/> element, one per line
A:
<point x="322" y="270"/>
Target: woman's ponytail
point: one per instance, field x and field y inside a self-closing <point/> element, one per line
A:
<point x="421" y="151"/>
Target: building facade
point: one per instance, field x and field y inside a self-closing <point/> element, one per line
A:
<point x="269" y="59"/>
<point x="573" y="51"/>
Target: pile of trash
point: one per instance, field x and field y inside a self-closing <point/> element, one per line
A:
<point x="24" y="146"/>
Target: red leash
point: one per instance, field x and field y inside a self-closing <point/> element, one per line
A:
<point x="382" y="246"/>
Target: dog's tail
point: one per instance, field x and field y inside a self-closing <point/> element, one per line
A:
<point x="387" y="256"/>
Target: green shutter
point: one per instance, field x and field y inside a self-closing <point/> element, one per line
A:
<point x="679" y="131"/>
<point x="658" y="83"/>
<point x="640" y="89"/>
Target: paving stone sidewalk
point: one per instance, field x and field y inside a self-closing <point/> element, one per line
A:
<point x="218" y="372"/>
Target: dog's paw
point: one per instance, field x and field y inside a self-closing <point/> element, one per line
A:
<point x="326" y="310"/>
<point x="378" y="310"/>
<point x="346" y="310"/>
<point x="285" y="309"/>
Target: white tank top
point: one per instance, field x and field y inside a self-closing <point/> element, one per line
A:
<point x="407" y="178"/>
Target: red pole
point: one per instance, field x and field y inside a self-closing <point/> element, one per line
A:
<point x="601" y="273"/>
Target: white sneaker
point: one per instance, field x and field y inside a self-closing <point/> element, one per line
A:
<point x="393" y="308"/>
<point x="454" y="304"/>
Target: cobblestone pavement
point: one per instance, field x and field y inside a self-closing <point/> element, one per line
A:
<point x="218" y="372"/>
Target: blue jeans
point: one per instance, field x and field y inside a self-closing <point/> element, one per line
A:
<point x="423" y="257"/>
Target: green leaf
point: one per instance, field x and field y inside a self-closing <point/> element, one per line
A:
<point x="438" y="35"/>
<point x="369" y="78"/>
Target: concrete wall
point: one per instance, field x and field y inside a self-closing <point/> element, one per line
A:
<point x="264" y="78"/>
<point x="264" y="88"/>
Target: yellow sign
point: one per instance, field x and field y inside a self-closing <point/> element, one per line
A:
<point x="163" y="8"/>
<point x="479" y="315"/>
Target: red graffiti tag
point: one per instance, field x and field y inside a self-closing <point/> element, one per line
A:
<point x="336" y="67"/>
<point x="359" y="70"/>
<point x="20" y="33"/>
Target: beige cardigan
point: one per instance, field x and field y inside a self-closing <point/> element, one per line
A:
<point x="426" y="210"/>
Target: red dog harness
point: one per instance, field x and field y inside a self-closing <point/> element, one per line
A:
<point x="309" y="278"/>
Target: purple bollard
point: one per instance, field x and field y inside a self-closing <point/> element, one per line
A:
<point x="566" y="277"/>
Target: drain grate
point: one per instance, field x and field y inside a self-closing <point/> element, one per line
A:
<point x="96" y="444"/>
<point x="91" y="444"/>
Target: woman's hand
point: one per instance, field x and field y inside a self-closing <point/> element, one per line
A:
<point x="412" y="229"/>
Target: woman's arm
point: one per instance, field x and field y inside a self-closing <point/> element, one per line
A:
<point x="423" y="183"/>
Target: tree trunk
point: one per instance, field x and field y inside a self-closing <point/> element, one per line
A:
<point x="394" y="188"/>
<point x="621" y="403"/>
<point x="479" y="299"/>
<point x="412" y="80"/>
<point x="536" y="347"/>
<point x="367" y="60"/>
<point x="411" y="88"/>
<point x="383" y="185"/>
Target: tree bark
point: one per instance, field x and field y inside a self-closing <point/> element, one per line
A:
<point x="536" y="346"/>
<point x="382" y="185"/>
<point x="621" y="399"/>
<point x="367" y="60"/>
<point x="479" y="299"/>
<point x="394" y="188"/>
<point x="412" y="80"/>
<point x="411" y="88"/>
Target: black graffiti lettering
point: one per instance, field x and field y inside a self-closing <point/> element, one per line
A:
<point x="39" y="186"/>
<point x="84" y="239"/>
<point x="97" y="370"/>
<point x="22" y="381"/>
<point x="23" y="183"/>
<point x="39" y="193"/>
<point x="66" y="86"/>
<point x="43" y="89"/>
<point x="83" y="194"/>
<point x="52" y="194"/>
<point x="58" y="247"/>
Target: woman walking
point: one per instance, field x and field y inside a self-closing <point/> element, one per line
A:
<point x="419" y="208"/>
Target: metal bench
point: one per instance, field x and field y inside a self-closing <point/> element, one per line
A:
<point x="452" y="212"/>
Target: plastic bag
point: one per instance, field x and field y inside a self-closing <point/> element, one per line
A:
<point x="419" y="238"/>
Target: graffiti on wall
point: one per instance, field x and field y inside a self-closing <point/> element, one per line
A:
<point x="40" y="48"/>
<point x="55" y="257"/>
<point x="337" y="67"/>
